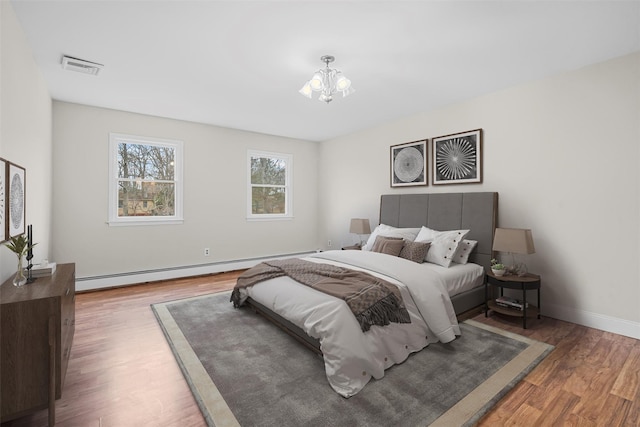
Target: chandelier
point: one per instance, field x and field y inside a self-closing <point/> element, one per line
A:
<point x="327" y="81"/>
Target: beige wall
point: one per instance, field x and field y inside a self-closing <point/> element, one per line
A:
<point x="215" y="189"/>
<point x="25" y="131"/>
<point x="563" y="153"/>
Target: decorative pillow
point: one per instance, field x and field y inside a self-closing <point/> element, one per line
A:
<point x="388" y="231"/>
<point x="388" y="245"/>
<point x="443" y="244"/>
<point x="464" y="250"/>
<point x="415" y="251"/>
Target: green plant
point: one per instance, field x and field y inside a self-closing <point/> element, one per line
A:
<point x="495" y="265"/>
<point x="19" y="245"/>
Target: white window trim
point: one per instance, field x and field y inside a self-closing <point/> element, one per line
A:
<point x="114" y="219"/>
<point x="288" y="158"/>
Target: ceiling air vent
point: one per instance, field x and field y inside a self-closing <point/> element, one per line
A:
<point x="80" y="65"/>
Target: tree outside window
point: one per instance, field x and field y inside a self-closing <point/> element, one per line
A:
<point x="145" y="179"/>
<point x="269" y="178"/>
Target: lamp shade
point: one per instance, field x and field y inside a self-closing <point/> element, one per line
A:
<point x="360" y="226"/>
<point x="343" y="83"/>
<point x="316" y="82"/>
<point x="514" y="240"/>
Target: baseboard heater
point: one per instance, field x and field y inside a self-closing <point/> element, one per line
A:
<point x="114" y="280"/>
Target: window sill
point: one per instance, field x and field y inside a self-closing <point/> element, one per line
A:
<point x="271" y="218"/>
<point x="138" y="222"/>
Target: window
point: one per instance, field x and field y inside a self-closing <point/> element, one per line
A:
<point x="269" y="192"/>
<point x="145" y="180"/>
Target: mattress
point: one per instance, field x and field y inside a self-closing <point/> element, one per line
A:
<point x="459" y="278"/>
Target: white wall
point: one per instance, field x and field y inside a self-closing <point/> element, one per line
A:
<point x="25" y="131"/>
<point x="215" y="189"/>
<point x="562" y="153"/>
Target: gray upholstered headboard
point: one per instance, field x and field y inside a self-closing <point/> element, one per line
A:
<point x="447" y="211"/>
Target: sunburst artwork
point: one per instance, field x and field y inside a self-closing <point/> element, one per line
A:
<point x="457" y="158"/>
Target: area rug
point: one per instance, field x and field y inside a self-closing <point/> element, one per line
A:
<point x="245" y="371"/>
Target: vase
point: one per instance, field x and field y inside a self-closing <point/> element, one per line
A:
<point x="20" y="278"/>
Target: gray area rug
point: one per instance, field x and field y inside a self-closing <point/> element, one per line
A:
<point x="245" y="371"/>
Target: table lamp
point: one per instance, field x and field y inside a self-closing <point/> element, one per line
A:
<point x="514" y="241"/>
<point x="360" y="226"/>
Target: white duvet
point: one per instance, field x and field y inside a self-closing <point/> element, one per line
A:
<point x="352" y="357"/>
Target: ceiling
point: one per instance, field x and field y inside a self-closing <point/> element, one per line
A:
<point x="240" y="64"/>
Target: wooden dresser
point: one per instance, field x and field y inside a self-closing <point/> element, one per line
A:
<point x="37" y="322"/>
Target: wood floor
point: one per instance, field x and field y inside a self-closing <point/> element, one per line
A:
<point x="122" y="372"/>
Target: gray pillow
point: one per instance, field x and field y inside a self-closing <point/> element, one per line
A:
<point x="415" y="251"/>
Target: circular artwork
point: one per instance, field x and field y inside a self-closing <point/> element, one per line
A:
<point x="2" y="218"/>
<point x="408" y="164"/>
<point x="456" y="159"/>
<point x="16" y="204"/>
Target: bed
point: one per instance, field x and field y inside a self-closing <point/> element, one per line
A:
<point x="321" y="322"/>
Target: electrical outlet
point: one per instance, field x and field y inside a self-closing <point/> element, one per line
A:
<point x="207" y="252"/>
<point x="329" y="243"/>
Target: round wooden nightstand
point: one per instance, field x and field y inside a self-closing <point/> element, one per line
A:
<point x="352" y="248"/>
<point x="524" y="283"/>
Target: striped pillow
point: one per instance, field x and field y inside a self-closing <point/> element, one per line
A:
<point x="388" y="245"/>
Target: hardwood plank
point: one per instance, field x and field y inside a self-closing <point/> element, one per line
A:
<point x="615" y="410"/>
<point x="577" y="421"/>
<point x="515" y="399"/>
<point x="122" y="372"/>
<point x="557" y="408"/>
<point x="578" y="382"/>
<point x="627" y="383"/>
<point x="524" y="415"/>
<point x="633" y="417"/>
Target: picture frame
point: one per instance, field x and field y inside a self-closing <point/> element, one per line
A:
<point x="457" y="158"/>
<point x="4" y="173"/>
<point x="17" y="196"/>
<point x="409" y="164"/>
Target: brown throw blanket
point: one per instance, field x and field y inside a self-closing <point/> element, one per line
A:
<point x="372" y="300"/>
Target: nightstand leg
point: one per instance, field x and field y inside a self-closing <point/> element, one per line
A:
<point x="524" y="307"/>
<point x="538" y="303"/>
<point x="486" y="298"/>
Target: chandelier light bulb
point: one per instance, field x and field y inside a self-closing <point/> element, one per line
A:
<point x="343" y="83"/>
<point x="306" y="90"/>
<point x="316" y="81"/>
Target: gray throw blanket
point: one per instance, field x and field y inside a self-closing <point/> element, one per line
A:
<point x="372" y="300"/>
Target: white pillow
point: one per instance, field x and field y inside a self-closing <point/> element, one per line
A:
<point x="443" y="244"/>
<point x="384" y="230"/>
<point x="464" y="250"/>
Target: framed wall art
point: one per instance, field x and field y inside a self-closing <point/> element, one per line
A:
<point x="409" y="164"/>
<point x="17" y="197"/>
<point x="3" y="200"/>
<point x="457" y="158"/>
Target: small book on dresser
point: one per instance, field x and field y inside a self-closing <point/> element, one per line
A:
<point x="41" y="270"/>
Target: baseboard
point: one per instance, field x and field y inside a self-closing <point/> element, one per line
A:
<point x="593" y="320"/>
<point x="93" y="283"/>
